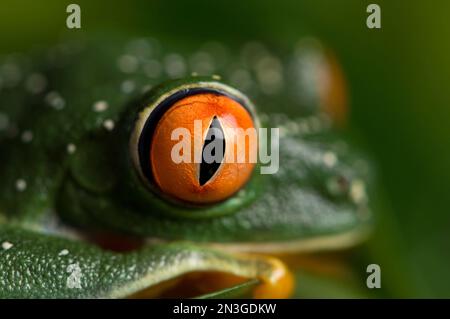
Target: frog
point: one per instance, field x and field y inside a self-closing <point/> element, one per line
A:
<point x="85" y="210"/>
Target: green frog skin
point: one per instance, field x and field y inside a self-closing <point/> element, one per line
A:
<point x="67" y="119"/>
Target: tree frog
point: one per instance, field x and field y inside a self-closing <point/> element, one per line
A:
<point x="92" y="207"/>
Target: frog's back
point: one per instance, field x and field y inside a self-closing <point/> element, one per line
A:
<point x="49" y="101"/>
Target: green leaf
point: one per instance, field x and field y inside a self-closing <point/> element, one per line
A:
<point x="243" y="290"/>
<point x="314" y="285"/>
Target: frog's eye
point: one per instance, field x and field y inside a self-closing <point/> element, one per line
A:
<point x="196" y="143"/>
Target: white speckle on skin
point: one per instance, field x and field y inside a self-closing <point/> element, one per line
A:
<point x="292" y="127"/>
<point x="63" y="252"/>
<point x="252" y="52"/>
<point x="152" y="68"/>
<point x="283" y="131"/>
<point x="100" y="106"/>
<point x="175" y="65"/>
<point x="127" y="63"/>
<point x="71" y="148"/>
<point x="27" y="136"/>
<point x="74" y="279"/>
<point x="329" y="159"/>
<point x="202" y="62"/>
<point x="194" y="74"/>
<point x="4" y="122"/>
<point x="11" y="74"/>
<point x="36" y="83"/>
<point x="303" y="127"/>
<point x="216" y="77"/>
<point x="109" y="124"/>
<point x="6" y="245"/>
<point x="241" y="78"/>
<point x="315" y="123"/>
<point x="21" y="185"/>
<point x="146" y="88"/>
<point x="139" y="47"/>
<point x="55" y="100"/>
<point x="127" y="86"/>
<point x="263" y="117"/>
<point x="269" y="72"/>
<point x="358" y="191"/>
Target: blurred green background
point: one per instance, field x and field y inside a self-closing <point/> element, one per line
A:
<point x="398" y="77"/>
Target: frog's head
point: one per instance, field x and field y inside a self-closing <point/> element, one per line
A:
<point x="127" y="180"/>
<point x="136" y="167"/>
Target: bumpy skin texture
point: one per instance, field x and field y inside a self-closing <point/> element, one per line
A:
<point x="40" y="266"/>
<point x="77" y="169"/>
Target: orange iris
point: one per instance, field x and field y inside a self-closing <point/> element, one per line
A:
<point x="181" y="180"/>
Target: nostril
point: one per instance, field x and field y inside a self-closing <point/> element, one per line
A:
<point x="338" y="185"/>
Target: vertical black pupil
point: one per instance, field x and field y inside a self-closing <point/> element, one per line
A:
<point x="213" y="151"/>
